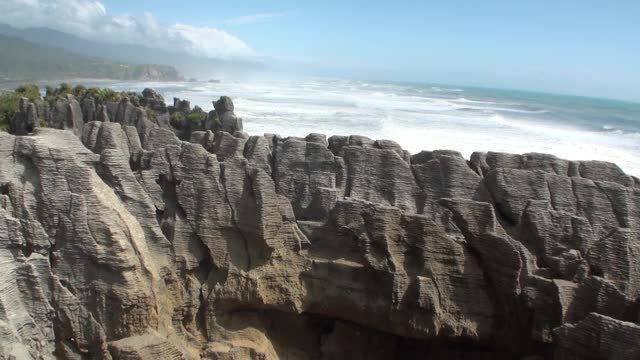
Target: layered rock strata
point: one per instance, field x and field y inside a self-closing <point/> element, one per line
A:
<point x="119" y="240"/>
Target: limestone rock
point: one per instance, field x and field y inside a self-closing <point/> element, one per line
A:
<point x="120" y="240"/>
<point x="598" y="337"/>
<point x="443" y="174"/>
<point x="227" y="120"/>
<point x="224" y="104"/>
<point x="88" y="109"/>
<point x="379" y="175"/>
<point x="310" y="175"/>
<point x="26" y="119"/>
<point x="148" y="346"/>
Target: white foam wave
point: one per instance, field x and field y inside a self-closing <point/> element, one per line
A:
<point x="465" y="100"/>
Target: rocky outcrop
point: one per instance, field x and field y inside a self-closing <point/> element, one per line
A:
<point x="144" y="112"/>
<point x="226" y="119"/>
<point x="25" y="119"/>
<point x="119" y="240"/>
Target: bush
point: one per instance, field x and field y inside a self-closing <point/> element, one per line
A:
<point x="30" y="91"/>
<point x="102" y="95"/>
<point x="10" y="100"/>
<point x="194" y="119"/>
<point x="93" y="92"/>
<point x="64" y="89"/>
<point x="110" y="95"/>
<point x="59" y="92"/>
<point x="79" y="91"/>
<point x="8" y="107"/>
<point x="150" y="113"/>
<point x="177" y="120"/>
<point x="196" y="116"/>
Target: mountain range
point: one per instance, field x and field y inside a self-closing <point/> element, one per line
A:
<point x="26" y="61"/>
<point x="186" y="64"/>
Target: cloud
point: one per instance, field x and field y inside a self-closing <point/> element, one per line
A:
<point x="206" y="41"/>
<point x="253" y="18"/>
<point x="90" y="19"/>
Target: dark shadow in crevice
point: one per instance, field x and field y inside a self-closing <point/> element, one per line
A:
<point x="167" y="217"/>
<point x="328" y="337"/>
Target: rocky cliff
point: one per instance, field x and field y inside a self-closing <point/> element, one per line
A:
<point x="125" y="234"/>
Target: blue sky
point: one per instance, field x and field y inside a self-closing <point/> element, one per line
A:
<point x="575" y="47"/>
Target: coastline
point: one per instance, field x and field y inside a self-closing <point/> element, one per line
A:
<point x="347" y="231"/>
<point x="419" y="118"/>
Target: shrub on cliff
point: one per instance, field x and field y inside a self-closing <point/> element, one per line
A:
<point x="65" y="88"/>
<point x="177" y="120"/>
<point x="151" y="115"/>
<point x="196" y="117"/>
<point x="188" y="120"/>
<point x="59" y="92"/>
<point x="9" y="102"/>
<point x="102" y="95"/>
<point x="30" y="91"/>
<point x="80" y="91"/>
<point x="8" y="106"/>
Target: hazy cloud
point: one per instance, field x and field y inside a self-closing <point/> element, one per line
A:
<point x="253" y="18"/>
<point x="90" y="19"/>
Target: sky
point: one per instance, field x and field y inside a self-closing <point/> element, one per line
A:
<point x="583" y="47"/>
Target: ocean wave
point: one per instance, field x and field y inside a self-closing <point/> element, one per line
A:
<point x="518" y="110"/>
<point x="465" y="100"/>
<point x="491" y="106"/>
<point x="441" y="89"/>
<point x="609" y="129"/>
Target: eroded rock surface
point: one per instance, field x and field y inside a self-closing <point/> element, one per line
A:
<point x="119" y="240"/>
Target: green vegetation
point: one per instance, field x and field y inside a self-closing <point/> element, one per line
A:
<point x="196" y="117"/>
<point x="177" y="120"/>
<point x="22" y="60"/>
<point x="192" y="120"/>
<point x="8" y="106"/>
<point x="79" y="90"/>
<point x="10" y="100"/>
<point x="59" y="92"/>
<point x="150" y="113"/>
<point x="100" y="95"/>
<point x="104" y="94"/>
<point x="30" y="91"/>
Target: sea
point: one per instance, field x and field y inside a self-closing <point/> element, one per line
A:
<point x="426" y="117"/>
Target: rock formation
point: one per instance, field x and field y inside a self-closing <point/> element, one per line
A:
<point x="118" y="240"/>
